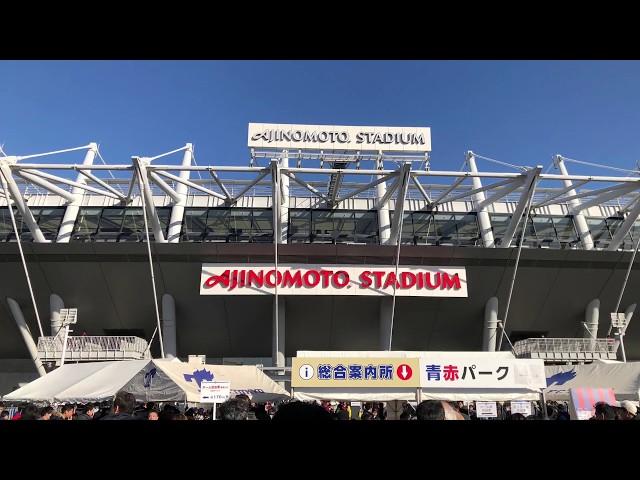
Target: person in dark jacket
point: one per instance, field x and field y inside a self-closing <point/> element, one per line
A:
<point x="89" y="411"/>
<point x="123" y="406"/>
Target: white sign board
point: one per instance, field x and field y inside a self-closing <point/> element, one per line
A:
<point x="522" y="407"/>
<point x="442" y="370"/>
<point x="305" y="279"/>
<point x="486" y="410"/>
<point x="214" y="392"/>
<point x="339" y="137"/>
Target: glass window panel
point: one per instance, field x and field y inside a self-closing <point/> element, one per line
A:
<point x="467" y="226"/>
<point x="499" y="224"/>
<point x="366" y="226"/>
<point x="407" y="228"/>
<point x="299" y="226"/>
<point x="599" y="231"/>
<point x="239" y="225"/>
<point x="262" y="225"/>
<point x="321" y="226"/>
<point x="565" y="229"/>
<point x="49" y="221"/>
<point x="543" y="228"/>
<point x="87" y="222"/>
<point x="111" y="220"/>
<point x="194" y="224"/>
<point x="445" y="225"/>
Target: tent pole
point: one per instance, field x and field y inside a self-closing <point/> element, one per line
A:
<point x="544" y="406"/>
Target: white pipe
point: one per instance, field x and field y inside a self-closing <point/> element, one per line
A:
<point x="591" y="320"/>
<point x="484" y="222"/>
<point x="55" y="305"/>
<point x="628" y="314"/>
<point x="284" y="201"/>
<point x="384" y="220"/>
<point x="490" y="325"/>
<point x="177" y="212"/>
<point x="16" y="311"/>
<point x="71" y="213"/>
<point x="169" y="325"/>
<point x="578" y="217"/>
<point x="10" y="188"/>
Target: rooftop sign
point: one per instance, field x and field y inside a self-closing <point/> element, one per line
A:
<point x="339" y="137"/>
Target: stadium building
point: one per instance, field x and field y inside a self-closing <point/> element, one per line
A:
<point x="328" y="238"/>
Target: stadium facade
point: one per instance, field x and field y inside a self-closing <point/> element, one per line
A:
<point x="440" y="248"/>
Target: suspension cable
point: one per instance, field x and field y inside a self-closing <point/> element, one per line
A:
<point x="517" y="167"/>
<point x="515" y="269"/>
<point x="7" y="195"/>
<point x="582" y="162"/>
<point x="393" y="302"/>
<point x="153" y="278"/>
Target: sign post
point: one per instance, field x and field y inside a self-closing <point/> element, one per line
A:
<point x="214" y="392"/>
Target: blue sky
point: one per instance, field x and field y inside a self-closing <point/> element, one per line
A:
<point x="520" y="112"/>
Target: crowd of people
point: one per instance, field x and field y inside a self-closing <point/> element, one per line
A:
<point x="125" y="407"/>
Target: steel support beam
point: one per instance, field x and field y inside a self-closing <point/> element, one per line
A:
<point x="216" y="179"/>
<point x="398" y="211"/>
<point x="578" y="218"/>
<point x="10" y="184"/>
<point x="189" y="183"/>
<point x="603" y="195"/>
<point x="500" y="193"/>
<point x="80" y="185"/>
<point x="484" y="221"/>
<point x="177" y="212"/>
<point x="421" y="189"/>
<point x="141" y="166"/>
<point x="165" y="187"/>
<point x="527" y="193"/>
<point x="276" y="202"/>
<point x="47" y="185"/>
<point x="16" y="312"/>
<point x="306" y="185"/>
<point x="624" y="229"/>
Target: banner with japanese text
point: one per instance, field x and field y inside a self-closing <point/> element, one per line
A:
<point x="440" y="370"/>
<point x="355" y="372"/>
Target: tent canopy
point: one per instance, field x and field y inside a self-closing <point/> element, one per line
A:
<point x="623" y="378"/>
<point x="148" y="380"/>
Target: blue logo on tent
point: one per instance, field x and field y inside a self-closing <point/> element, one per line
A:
<point x="199" y="376"/>
<point x="149" y="376"/>
<point x="561" y="378"/>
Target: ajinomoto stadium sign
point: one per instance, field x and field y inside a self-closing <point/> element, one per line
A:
<point x="304" y="279"/>
<point x="339" y="137"/>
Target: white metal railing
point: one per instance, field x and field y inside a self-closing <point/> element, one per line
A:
<point x="565" y="347"/>
<point x="90" y="348"/>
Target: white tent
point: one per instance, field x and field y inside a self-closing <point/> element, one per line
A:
<point x="148" y="380"/>
<point x="623" y="378"/>
<point x="529" y="386"/>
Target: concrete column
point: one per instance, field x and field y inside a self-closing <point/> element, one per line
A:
<point x="278" y="344"/>
<point x="484" y="221"/>
<point x="71" y="213"/>
<point x="591" y="319"/>
<point x="177" y="212"/>
<point x="55" y="305"/>
<point x="578" y="218"/>
<point x="169" y="326"/>
<point x="386" y="304"/>
<point x="490" y="325"/>
<point x="16" y="311"/>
